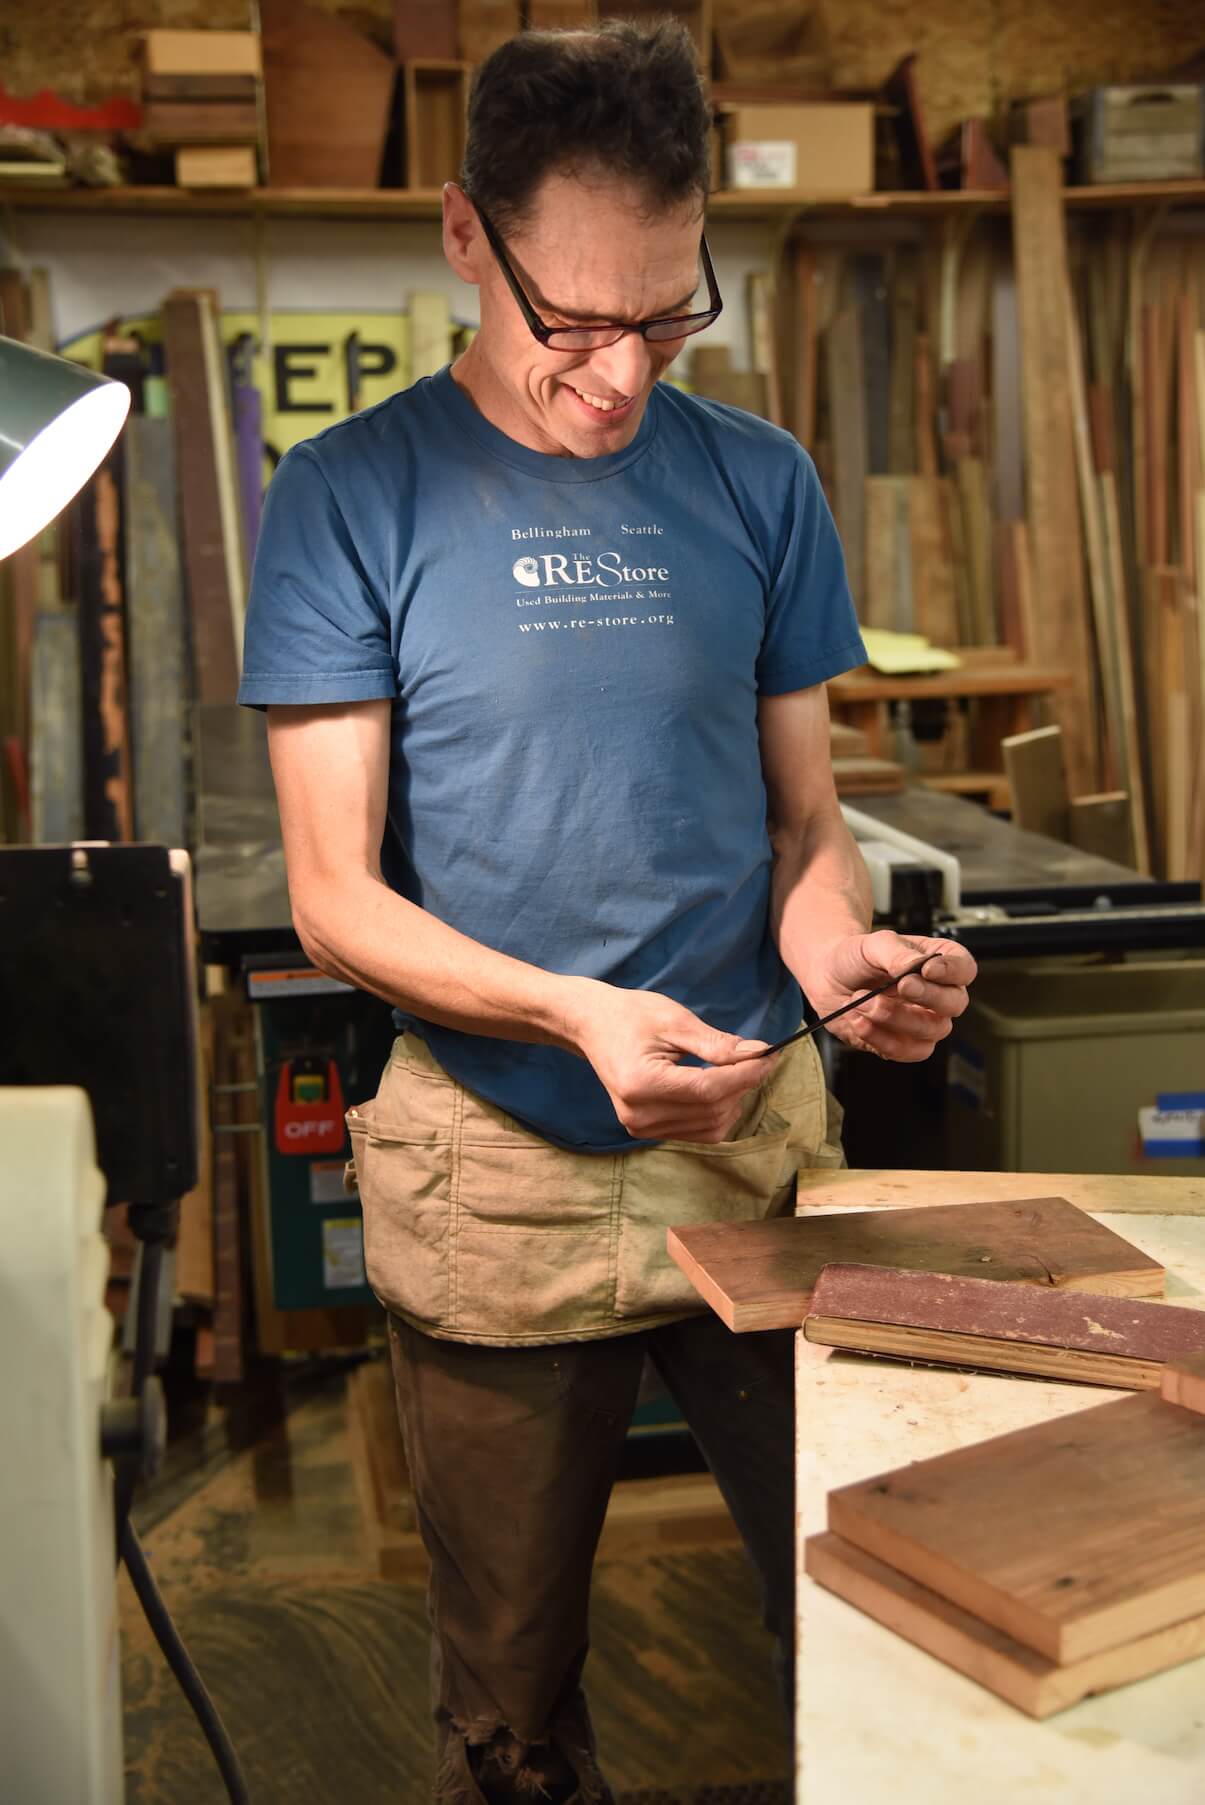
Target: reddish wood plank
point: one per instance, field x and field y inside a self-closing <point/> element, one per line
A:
<point x="1012" y="1328"/>
<point x="760" y="1275"/>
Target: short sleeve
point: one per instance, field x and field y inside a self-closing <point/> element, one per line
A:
<point x="811" y="628"/>
<point x="317" y="630"/>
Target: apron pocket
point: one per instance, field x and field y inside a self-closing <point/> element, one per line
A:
<point x="683" y="1182"/>
<point x="405" y="1187"/>
<point x="526" y="1284"/>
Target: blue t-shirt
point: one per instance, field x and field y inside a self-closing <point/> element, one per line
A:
<point x="574" y="649"/>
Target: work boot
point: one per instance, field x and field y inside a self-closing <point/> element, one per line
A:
<point x="455" y="1781"/>
<point x="573" y="1734"/>
<point x="509" y="1770"/>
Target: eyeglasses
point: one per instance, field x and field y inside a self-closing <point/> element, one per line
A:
<point x="609" y="332"/>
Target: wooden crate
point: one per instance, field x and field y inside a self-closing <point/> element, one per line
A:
<point x="435" y="101"/>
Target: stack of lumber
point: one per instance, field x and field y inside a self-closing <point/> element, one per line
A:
<point x="1054" y="1562"/>
<point x="202" y="99"/>
<point x="1008" y="418"/>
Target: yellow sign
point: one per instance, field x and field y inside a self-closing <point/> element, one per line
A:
<point x="319" y="368"/>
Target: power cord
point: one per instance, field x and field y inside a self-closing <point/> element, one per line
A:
<point x="179" y="1660"/>
<point x="155" y="1225"/>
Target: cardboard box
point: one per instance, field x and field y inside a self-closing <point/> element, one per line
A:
<point x="800" y="152"/>
<point x="216" y="166"/>
<point x="201" y="53"/>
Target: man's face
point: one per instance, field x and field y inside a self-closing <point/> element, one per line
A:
<point x="587" y="252"/>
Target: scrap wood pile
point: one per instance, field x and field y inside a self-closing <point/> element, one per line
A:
<point x="1008" y="417"/>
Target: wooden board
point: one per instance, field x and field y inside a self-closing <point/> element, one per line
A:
<point x="887" y="578"/>
<point x="328" y="92"/>
<point x="1101" y="825"/>
<point x="425" y="28"/>
<point x="201" y="52"/>
<point x="760" y="1275"/>
<point x="926" y="437"/>
<point x="1073" y="1536"/>
<point x="201" y="122"/>
<point x="1028" y="1680"/>
<point x="1006" y="396"/>
<point x="56" y="743"/>
<point x="210" y="582"/>
<point x="1034" y="765"/>
<point x="1183" y="1382"/>
<point x="762" y="303"/>
<point x="847" y="408"/>
<point x="157" y="633"/>
<point x="808" y="306"/>
<point x="430" y="334"/>
<point x="901" y="94"/>
<point x="436" y="98"/>
<point x="484" y="25"/>
<point x="1097" y="1340"/>
<point x="934" y="595"/>
<point x="867" y="287"/>
<point x="216" y="166"/>
<point x="199" y="87"/>
<point x="977" y="538"/>
<point x="849" y="1188"/>
<point x="561" y="15"/>
<point x="108" y="801"/>
<point x="1060" y="619"/>
<point x="901" y="430"/>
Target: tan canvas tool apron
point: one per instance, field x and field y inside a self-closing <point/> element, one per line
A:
<point x="477" y="1230"/>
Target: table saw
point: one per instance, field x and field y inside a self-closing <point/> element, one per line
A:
<point x="939" y="865"/>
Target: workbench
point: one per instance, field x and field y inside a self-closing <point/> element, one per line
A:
<point x="878" y="1722"/>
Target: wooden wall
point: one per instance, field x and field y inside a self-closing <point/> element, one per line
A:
<point x="974" y="54"/>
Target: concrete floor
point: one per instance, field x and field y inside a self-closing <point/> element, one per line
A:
<point x="319" y="1667"/>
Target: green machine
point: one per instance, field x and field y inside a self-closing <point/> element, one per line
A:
<point x="320" y="1047"/>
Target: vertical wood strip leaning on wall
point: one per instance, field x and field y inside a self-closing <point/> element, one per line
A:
<point x="1061" y="621"/>
<point x="215" y="662"/>
<point x="157" y="627"/>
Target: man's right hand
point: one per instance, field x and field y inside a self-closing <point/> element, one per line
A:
<point x="635" y="1040"/>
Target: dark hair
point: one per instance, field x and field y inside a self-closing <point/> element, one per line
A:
<point x="624" y="98"/>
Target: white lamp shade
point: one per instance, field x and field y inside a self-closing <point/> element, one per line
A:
<point x="57" y="422"/>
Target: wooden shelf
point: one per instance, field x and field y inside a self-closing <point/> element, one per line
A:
<point x="969" y="680"/>
<point x="402" y="204"/>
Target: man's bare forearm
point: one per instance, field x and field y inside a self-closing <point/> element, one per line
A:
<point x="820" y="890"/>
<point x="369" y="936"/>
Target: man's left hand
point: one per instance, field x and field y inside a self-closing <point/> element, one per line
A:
<point x="906" y="1023"/>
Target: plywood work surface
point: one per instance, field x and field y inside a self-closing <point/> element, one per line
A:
<point x="1072" y="1536"/>
<point x="877" y="1718"/>
<point x="760" y="1275"/>
<point x="864" y="1188"/>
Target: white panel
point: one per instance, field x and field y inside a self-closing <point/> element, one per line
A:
<point x="60" y="1706"/>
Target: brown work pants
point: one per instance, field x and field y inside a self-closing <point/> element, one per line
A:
<point x="513" y="1452"/>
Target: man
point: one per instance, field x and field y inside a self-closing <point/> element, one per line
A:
<point x="543" y="644"/>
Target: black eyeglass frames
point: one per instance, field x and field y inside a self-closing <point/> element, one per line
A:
<point x="594" y="338"/>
